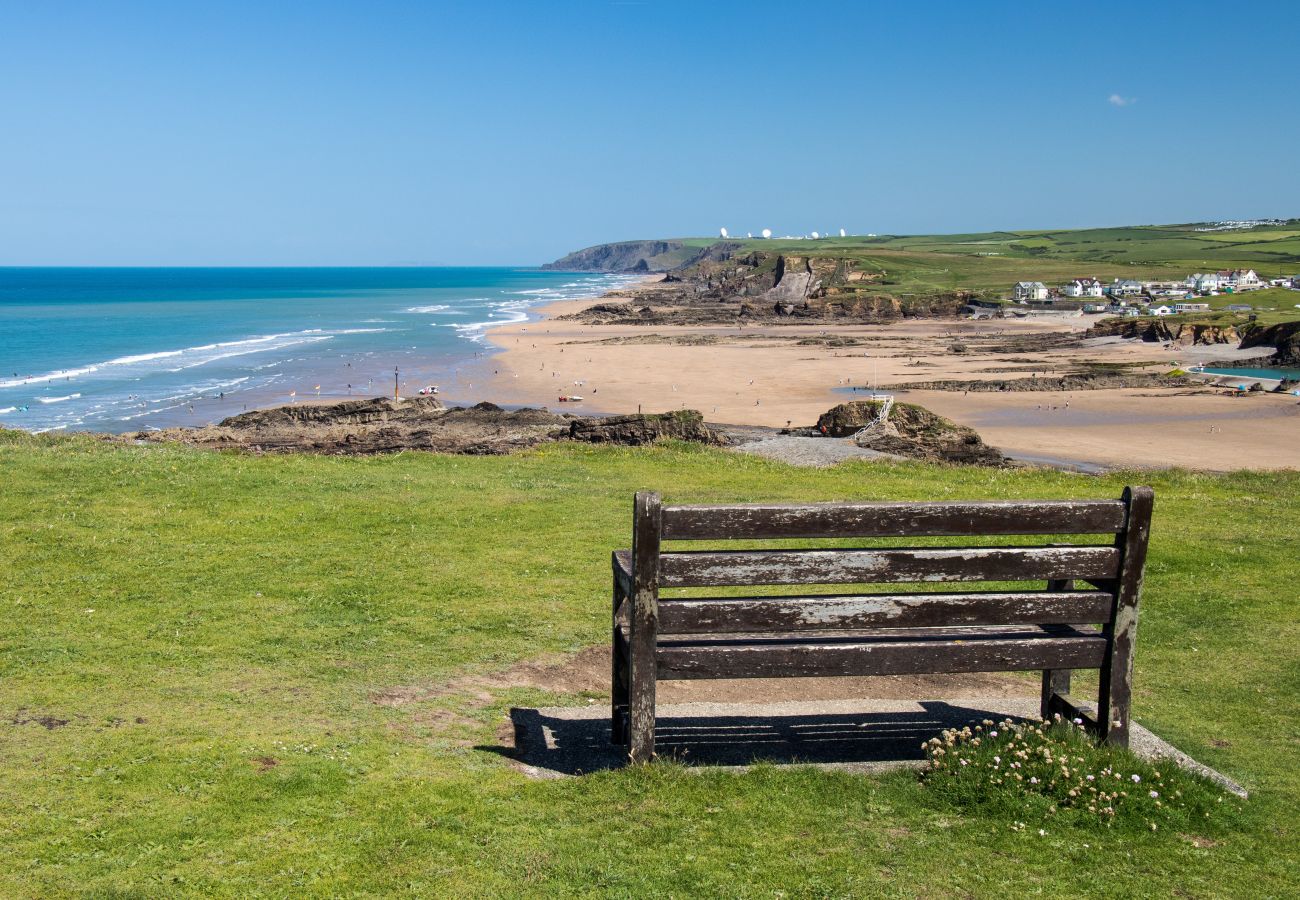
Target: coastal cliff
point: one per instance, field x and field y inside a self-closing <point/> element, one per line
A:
<point x="1164" y="331"/>
<point x="1283" y="337"/>
<point x="629" y="257"/>
<point x="718" y="284"/>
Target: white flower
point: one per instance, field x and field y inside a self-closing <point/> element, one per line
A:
<point x="1042" y="832"/>
<point x="965" y="762"/>
<point x="1033" y="780"/>
<point x="1154" y="794"/>
<point x="1077" y="721"/>
<point x="1136" y="778"/>
<point x="993" y="734"/>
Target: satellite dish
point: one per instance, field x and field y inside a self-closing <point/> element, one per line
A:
<point x="749" y="234"/>
<point x="842" y="234"/>
<point x="816" y="235"/>
<point x="767" y="232"/>
<point x="723" y="232"/>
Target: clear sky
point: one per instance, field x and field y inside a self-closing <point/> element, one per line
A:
<point x="376" y="133"/>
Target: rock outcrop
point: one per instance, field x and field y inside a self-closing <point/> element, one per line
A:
<point x="1283" y="337"/>
<point x="718" y="286"/>
<point x="909" y="430"/>
<point x="383" y="425"/>
<point x="1160" y="330"/>
<point x="686" y="425"/>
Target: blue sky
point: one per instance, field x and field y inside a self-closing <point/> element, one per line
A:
<point x="509" y="133"/>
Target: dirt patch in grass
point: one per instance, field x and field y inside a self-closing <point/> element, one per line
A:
<point x="588" y="671"/>
<point x="49" y="723"/>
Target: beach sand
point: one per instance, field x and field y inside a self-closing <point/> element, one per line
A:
<point x="763" y="376"/>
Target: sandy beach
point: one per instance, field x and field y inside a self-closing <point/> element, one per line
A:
<point x="778" y="375"/>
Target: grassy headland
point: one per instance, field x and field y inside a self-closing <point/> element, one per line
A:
<point x="195" y="642"/>
<point x="988" y="263"/>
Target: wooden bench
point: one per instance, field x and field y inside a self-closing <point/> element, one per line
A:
<point x="1079" y="610"/>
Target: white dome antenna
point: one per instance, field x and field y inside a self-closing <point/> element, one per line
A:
<point x="723" y="232"/>
<point x="767" y="232"/>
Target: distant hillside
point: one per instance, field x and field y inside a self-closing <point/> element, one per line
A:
<point x="989" y="261"/>
<point x="632" y="256"/>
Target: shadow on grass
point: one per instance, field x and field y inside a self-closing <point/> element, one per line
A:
<point x="577" y="741"/>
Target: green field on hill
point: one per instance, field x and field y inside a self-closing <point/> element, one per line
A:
<point x="195" y="643"/>
<point x="990" y="263"/>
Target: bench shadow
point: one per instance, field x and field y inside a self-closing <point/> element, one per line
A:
<point x="578" y="744"/>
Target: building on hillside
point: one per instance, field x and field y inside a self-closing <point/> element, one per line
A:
<point x="1161" y="311"/>
<point x="1125" y="287"/>
<point x="1206" y="284"/>
<point x="1238" y="307"/>
<point x="1029" y="291"/>
<point x="1240" y="279"/>
<point x="1191" y="307"/>
<point x="1295" y="282"/>
<point x="1083" y="287"/>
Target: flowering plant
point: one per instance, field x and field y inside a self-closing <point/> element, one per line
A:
<point x="1054" y="772"/>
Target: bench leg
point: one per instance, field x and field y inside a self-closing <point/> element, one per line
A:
<point x="1116" y="689"/>
<point x="641" y="709"/>
<point x="618" y="687"/>
<point x="618" y="697"/>
<point x="1056" y="683"/>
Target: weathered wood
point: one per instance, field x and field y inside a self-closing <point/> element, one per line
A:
<point x="737" y="614"/>
<point x="647" y="525"/>
<point x="1009" y="651"/>
<point x="623" y="571"/>
<point x="1069" y="708"/>
<point x="1116" y="683"/>
<point x="618" y="691"/>
<point x="1057" y="681"/>
<point x="938" y="564"/>
<point x="892" y="519"/>
<point x="879" y="634"/>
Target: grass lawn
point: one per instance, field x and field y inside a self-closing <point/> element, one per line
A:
<point x="194" y="642"/>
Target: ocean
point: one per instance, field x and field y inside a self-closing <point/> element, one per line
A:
<point x="125" y="349"/>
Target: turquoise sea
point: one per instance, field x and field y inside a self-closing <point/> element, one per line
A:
<point x="123" y="349"/>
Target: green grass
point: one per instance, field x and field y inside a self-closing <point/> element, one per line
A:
<point x="989" y="263"/>
<point x="213" y="629"/>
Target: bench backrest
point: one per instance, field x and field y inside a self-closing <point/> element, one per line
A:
<point x="1111" y="572"/>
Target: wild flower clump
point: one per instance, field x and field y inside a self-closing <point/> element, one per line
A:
<point x="1054" y="772"/>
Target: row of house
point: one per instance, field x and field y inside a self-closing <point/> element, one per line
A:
<point x="1225" y="280"/>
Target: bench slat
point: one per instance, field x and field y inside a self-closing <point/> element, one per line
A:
<point x="702" y="615"/>
<point x="991" y="652"/>
<point x="892" y="519"/>
<point x="937" y="564"/>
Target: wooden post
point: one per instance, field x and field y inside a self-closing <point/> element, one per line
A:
<point x="1116" y="688"/>
<point x="646" y="528"/>
<point x="618" y="691"/>
<point x="1056" y="682"/>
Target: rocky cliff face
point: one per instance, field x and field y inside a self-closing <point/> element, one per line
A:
<point x="1284" y="338"/>
<point x="720" y="286"/>
<point x="1158" y="330"/>
<point x="627" y="256"/>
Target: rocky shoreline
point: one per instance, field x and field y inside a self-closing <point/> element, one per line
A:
<point x="385" y="425"/>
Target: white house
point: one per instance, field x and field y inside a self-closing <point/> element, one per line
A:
<point x="1204" y="284"/>
<point x="1029" y="290"/>
<point x="1191" y="307"/>
<point x="1161" y="311"/>
<point x="1125" y="287"/>
<point x="1083" y="287"/>
<point x="1240" y="279"/>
